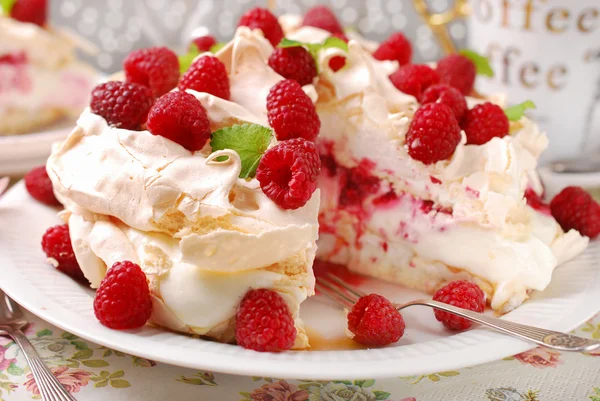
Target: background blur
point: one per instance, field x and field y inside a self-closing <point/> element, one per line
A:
<point x="118" y="26"/>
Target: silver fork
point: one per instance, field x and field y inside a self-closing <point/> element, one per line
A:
<point x="345" y="296"/>
<point x="12" y="320"/>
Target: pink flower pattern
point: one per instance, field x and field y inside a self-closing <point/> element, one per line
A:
<point x="539" y="358"/>
<point x="279" y="391"/>
<point x="4" y="362"/>
<point x="71" y="379"/>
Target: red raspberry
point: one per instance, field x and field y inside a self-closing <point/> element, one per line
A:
<point x="263" y="19"/>
<point x="448" y="95"/>
<point x="433" y="134"/>
<point x="294" y="63"/>
<point x="458" y="71"/>
<point x="122" y="104"/>
<point x="123" y="299"/>
<point x="575" y="208"/>
<point x="291" y="113"/>
<point x="181" y="118"/>
<point x="155" y="67"/>
<point x="288" y="172"/>
<point x="323" y="18"/>
<point x="207" y="74"/>
<point x="33" y="11"/>
<point x="396" y="47"/>
<point x="39" y="186"/>
<point x="484" y="122"/>
<point x="338" y="62"/>
<point x="204" y="43"/>
<point x="56" y="244"/>
<point x="414" y="79"/>
<point x="462" y="294"/>
<point x="535" y="202"/>
<point x="375" y="322"/>
<point x="264" y="322"/>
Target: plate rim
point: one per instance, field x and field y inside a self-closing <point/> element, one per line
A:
<point x="214" y="356"/>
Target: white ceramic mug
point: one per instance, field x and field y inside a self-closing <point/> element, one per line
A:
<point x="547" y="51"/>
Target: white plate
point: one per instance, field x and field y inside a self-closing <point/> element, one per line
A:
<point x="571" y="299"/>
<point x="20" y="153"/>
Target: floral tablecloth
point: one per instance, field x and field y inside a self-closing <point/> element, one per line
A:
<point x="95" y="373"/>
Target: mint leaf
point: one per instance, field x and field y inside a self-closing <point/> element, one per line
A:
<point x="7" y="6"/>
<point x="482" y="64"/>
<point x="314" y="48"/>
<point x="285" y="42"/>
<point x="332" y="41"/>
<point x="185" y="60"/>
<point x="517" y="111"/>
<point x="250" y="141"/>
<point x="217" y="46"/>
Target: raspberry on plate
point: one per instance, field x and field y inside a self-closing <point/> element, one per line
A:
<point x="338" y="62"/>
<point x="458" y="71"/>
<point x="323" y="18"/>
<point x="574" y="208"/>
<point x="291" y="113"/>
<point x="448" y="95"/>
<point x="263" y="19"/>
<point x="414" y="79"/>
<point x="204" y="43"/>
<point x="56" y="244"/>
<point x="396" y="47"/>
<point x="288" y="172"/>
<point x="264" y="322"/>
<point x="39" y="186"/>
<point x="181" y="118"/>
<point x="375" y="322"/>
<point x="155" y="67"/>
<point x="33" y="11"/>
<point x="484" y="122"/>
<point x="462" y="294"/>
<point x="122" y="104"/>
<point x="123" y="299"/>
<point x="433" y="134"/>
<point x="294" y="63"/>
<point x="207" y="74"/>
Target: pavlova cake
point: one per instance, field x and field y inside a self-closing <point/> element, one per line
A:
<point x="40" y="79"/>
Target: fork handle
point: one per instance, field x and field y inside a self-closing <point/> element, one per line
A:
<point x="546" y="338"/>
<point x="49" y="386"/>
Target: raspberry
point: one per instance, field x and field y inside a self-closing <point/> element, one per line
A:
<point x="181" y="118"/>
<point x="396" y="47"/>
<point x="375" y="322"/>
<point x="122" y="104"/>
<point x="123" y="299"/>
<point x="323" y="18"/>
<point x="207" y="74"/>
<point x="535" y="202"/>
<point x="433" y="133"/>
<point x="155" y="67"/>
<point x="263" y="19"/>
<point x="33" y="11"/>
<point x="484" y="122"/>
<point x="294" y="63"/>
<point x="414" y="79"/>
<point x="56" y="244"/>
<point x="264" y="322"/>
<point x="291" y="113"/>
<point x="458" y="71"/>
<point x="338" y="62"/>
<point x="288" y="172"/>
<point x="448" y="95"/>
<point x="39" y="186"/>
<point x="575" y="208"/>
<point x="462" y="294"/>
<point x="204" y="43"/>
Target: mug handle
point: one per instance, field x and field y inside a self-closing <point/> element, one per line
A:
<point x="438" y="22"/>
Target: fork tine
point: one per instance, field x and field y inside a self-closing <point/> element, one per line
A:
<point x="335" y="295"/>
<point x="354" y="291"/>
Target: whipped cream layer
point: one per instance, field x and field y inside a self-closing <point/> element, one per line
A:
<point x="203" y="236"/>
<point x="389" y="216"/>
<point x="39" y="70"/>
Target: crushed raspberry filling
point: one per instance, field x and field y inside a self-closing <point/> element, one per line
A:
<point x="358" y="183"/>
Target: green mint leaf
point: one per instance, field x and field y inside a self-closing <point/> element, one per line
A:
<point x="217" y="46"/>
<point x="185" y="60"/>
<point x="250" y="141"/>
<point x="517" y="111"/>
<point x="7" y="6"/>
<point x="332" y="41"/>
<point x="482" y="64"/>
<point x="285" y="42"/>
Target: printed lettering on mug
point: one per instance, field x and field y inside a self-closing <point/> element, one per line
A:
<point x="547" y="51"/>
